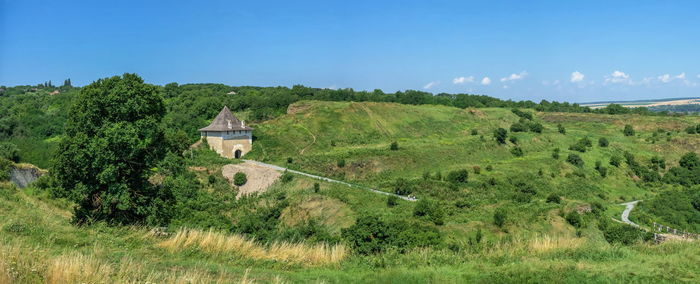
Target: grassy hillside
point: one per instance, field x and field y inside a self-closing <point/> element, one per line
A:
<point x="38" y="244"/>
<point x="516" y="218"/>
<point x="438" y="138"/>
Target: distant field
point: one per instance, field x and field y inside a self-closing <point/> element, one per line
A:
<point x="647" y="103"/>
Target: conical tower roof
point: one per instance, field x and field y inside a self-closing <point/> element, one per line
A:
<point x="225" y="121"/>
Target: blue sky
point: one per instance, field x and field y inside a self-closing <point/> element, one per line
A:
<point x="557" y="50"/>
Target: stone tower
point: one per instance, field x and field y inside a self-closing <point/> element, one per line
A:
<point x="228" y="136"/>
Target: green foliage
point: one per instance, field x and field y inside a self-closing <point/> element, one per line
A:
<point x="615" y="160"/>
<point x="113" y="137"/>
<point x="476" y="169"/>
<point x="522" y="114"/>
<point x="689" y="161"/>
<point x="458" y="176"/>
<point x="500" y="217"/>
<point x="5" y="167"/>
<point x="676" y="208"/>
<point x="536" y="127"/>
<point x="518" y="127"/>
<point x="517" y="151"/>
<point x="500" y="134"/>
<point x="474" y="132"/>
<point x="581" y="145"/>
<point x="392" y="200"/>
<point x="513" y="139"/>
<point x="561" y="129"/>
<point x="628" y="130"/>
<point x="287" y="177"/>
<point x="372" y="234"/>
<point x="402" y="187"/>
<point x="240" y="178"/>
<point x="555" y="153"/>
<point x="317" y="187"/>
<point x="341" y="163"/>
<point x="553" y="198"/>
<point x="616" y="233"/>
<point x="430" y="210"/>
<point x="574" y="219"/>
<point x="575" y="160"/>
<point x="394" y="146"/>
<point x="9" y="151"/>
<point x="603" y="142"/>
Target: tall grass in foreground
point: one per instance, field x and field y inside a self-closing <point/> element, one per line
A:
<point x="217" y="243"/>
<point x="20" y="264"/>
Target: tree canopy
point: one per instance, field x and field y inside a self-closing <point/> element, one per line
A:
<point x="112" y="138"/>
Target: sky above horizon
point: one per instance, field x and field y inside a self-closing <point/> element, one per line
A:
<point x="578" y="51"/>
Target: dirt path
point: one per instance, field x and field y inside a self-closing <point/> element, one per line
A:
<point x="310" y="144"/>
<point x="278" y="168"/>
<point x="626" y="214"/>
<point x="259" y="177"/>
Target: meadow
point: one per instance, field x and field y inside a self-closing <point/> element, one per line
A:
<point x="533" y="207"/>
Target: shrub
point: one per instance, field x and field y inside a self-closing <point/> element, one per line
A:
<point x="555" y="153"/>
<point x="628" y="131"/>
<point x="476" y="169"/>
<point x="394" y="146"/>
<point x="615" y="160"/>
<point x="9" y="151"/>
<point x="5" y="167"/>
<point x="372" y="234"/>
<point x="240" y="179"/>
<point x="474" y="132"/>
<point x="513" y="139"/>
<point x="603" y="142"/>
<point x="574" y="219"/>
<point x="553" y="198"/>
<point x="616" y="233"/>
<point x="489" y="168"/>
<point x="458" y="176"/>
<point x="290" y="160"/>
<point x="536" y="127"/>
<point x="341" y="163"/>
<point x="402" y="187"/>
<point x="287" y="177"/>
<point x="518" y="127"/>
<point x="392" y="201"/>
<point x="522" y="114"/>
<point x="500" y="134"/>
<point x="689" y="161"/>
<point x="430" y="210"/>
<point x="317" y="187"/>
<point x="575" y="160"/>
<point x="499" y="217"/>
<point x="561" y="128"/>
<point x="517" y="151"/>
<point x="691" y="130"/>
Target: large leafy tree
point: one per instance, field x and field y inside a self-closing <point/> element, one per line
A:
<point x="112" y="138"/>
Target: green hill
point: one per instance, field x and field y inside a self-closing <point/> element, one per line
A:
<point x="518" y="215"/>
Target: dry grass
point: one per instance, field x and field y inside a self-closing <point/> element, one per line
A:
<point x="216" y="243"/>
<point x="548" y="243"/>
<point x="77" y="268"/>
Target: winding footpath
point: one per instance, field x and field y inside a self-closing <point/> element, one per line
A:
<point x="626" y="214"/>
<point x="278" y="168"/>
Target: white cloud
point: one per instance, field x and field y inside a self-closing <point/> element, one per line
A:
<point x="462" y="80"/>
<point x="577" y="77"/>
<point x="486" y="81"/>
<point x="665" y="78"/>
<point x="514" y="77"/>
<point x="618" y="77"/>
<point x="429" y="85"/>
<point x="681" y="76"/>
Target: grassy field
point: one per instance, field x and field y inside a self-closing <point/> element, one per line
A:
<point x="536" y="242"/>
<point x="38" y="244"/>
